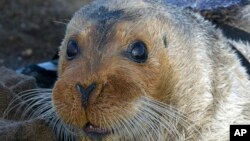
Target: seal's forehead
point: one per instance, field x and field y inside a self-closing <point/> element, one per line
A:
<point x="103" y="14"/>
<point x="102" y="17"/>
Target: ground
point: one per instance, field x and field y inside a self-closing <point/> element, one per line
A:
<point x="31" y="30"/>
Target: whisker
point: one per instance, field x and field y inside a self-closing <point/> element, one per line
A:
<point x="37" y="103"/>
<point x="176" y="118"/>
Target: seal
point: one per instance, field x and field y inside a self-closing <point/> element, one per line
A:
<point x="143" y="70"/>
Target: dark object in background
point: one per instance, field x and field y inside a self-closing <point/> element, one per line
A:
<point x="44" y="73"/>
<point x="234" y="33"/>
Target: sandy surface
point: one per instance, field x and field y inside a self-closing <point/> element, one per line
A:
<point x="31" y="30"/>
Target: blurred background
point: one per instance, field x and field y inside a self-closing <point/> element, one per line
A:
<point x="31" y="30"/>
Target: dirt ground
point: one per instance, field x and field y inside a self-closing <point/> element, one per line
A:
<point x="31" y="30"/>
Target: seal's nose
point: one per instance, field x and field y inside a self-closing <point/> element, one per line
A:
<point x="85" y="93"/>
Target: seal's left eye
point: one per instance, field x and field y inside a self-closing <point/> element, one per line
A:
<point x="138" y="52"/>
<point x="72" y="49"/>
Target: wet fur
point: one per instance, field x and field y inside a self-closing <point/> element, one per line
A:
<point x="192" y="87"/>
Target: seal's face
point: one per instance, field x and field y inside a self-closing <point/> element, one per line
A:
<point x="118" y="68"/>
<point x="115" y="76"/>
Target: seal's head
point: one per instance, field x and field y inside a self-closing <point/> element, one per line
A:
<point x="127" y="66"/>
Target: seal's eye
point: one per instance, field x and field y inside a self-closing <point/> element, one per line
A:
<point x="72" y="49"/>
<point x="138" y="52"/>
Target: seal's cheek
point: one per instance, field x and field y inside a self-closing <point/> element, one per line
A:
<point x="67" y="103"/>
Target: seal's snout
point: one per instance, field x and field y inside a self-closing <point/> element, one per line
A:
<point x="85" y="92"/>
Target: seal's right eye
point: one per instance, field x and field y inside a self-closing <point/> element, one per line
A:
<point x="72" y="49"/>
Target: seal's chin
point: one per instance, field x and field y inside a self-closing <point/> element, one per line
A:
<point x="93" y="130"/>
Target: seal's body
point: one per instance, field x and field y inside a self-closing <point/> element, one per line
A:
<point x="140" y="70"/>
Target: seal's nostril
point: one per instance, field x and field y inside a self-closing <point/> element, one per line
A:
<point x="85" y="93"/>
<point x="80" y="88"/>
<point x="91" y="87"/>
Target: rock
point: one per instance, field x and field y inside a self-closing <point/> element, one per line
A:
<point x="28" y="52"/>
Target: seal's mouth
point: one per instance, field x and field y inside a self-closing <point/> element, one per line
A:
<point x="93" y="130"/>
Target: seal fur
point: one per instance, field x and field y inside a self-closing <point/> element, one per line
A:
<point x="191" y="87"/>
